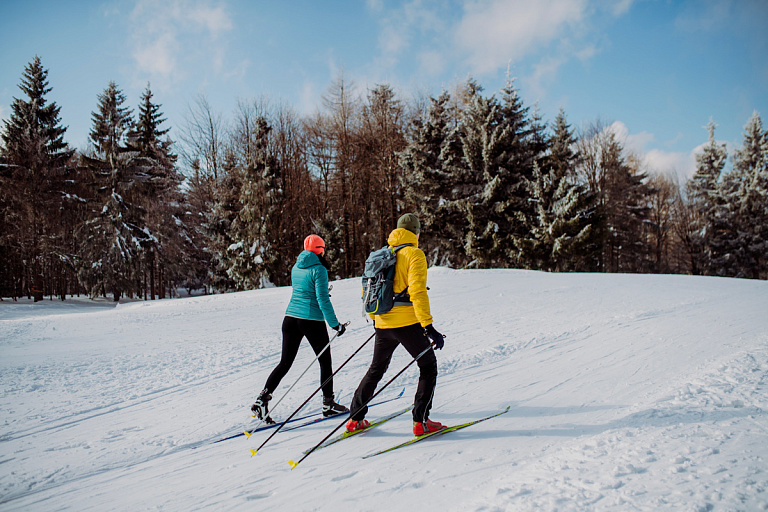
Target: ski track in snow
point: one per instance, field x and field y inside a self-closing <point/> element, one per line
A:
<point x="704" y="447"/>
<point x="627" y="393"/>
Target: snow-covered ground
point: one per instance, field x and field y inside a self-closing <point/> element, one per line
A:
<point x="627" y="392"/>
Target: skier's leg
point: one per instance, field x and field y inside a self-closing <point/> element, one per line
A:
<point x="317" y="335"/>
<point x="413" y="339"/>
<point x="291" y="339"/>
<point x="383" y="349"/>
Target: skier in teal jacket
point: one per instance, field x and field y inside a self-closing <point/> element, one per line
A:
<point x="308" y="311"/>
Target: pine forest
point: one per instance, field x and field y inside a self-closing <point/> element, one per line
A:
<point x="223" y="203"/>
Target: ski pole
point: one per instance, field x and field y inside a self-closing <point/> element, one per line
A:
<point x="300" y="376"/>
<point x="294" y="464"/>
<point x="254" y="452"/>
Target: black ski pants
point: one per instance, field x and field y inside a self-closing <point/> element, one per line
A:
<point x="413" y="339"/>
<point x="294" y="330"/>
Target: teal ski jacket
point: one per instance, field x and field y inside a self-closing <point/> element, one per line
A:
<point x="310" y="299"/>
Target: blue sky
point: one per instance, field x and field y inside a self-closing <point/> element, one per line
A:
<point x="657" y="70"/>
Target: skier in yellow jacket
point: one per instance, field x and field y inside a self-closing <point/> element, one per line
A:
<point x="408" y="325"/>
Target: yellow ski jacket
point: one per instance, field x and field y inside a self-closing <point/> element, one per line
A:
<point x="411" y="273"/>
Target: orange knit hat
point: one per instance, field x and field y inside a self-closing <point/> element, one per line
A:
<point x="315" y="244"/>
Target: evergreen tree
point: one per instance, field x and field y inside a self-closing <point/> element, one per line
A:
<point x="626" y="210"/>
<point x="428" y="189"/>
<point x="196" y="202"/>
<point x="710" y="217"/>
<point x="157" y="193"/>
<point x="112" y="238"/>
<point x="218" y="220"/>
<point x="499" y="152"/>
<point x="748" y="184"/>
<point x="255" y="231"/>
<point x="562" y="237"/>
<point x="34" y="177"/>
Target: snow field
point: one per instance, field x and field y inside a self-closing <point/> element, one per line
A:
<point x="628" y="392"/>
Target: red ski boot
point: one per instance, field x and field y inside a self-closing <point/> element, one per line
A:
<point x="353" y="425"/>
<point x="419" y="429"/>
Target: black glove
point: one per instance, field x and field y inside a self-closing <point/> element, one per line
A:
<point x="435" y="337"/>
<point x="340" y="329"/>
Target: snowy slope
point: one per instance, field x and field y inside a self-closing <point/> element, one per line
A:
<point x="628" y="392"/>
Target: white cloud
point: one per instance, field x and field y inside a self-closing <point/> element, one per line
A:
<point x="543" y="72"/>
<point x="679" y="164"/>
<point x="158" y="56"/>
<point x="414" y="23"/>
<point x="375" y="5"/>
<point x="587" y="52"/>
<point x="635" y="143"/>
<point x="620" y="7"/>
<point x="493" y="32"/>
<point x="654" y="160"/>
<point x="705" y="15"/>
<point x="432" y="62"/>
<point x="310" y="98"/>
<point x="170" y="40"/>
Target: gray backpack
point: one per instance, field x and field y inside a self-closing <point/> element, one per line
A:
<point x="378" y="282"/>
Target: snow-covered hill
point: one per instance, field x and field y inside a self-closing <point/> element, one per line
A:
<point x="628" y="392"/>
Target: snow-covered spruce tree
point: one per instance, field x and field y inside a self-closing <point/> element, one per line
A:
<point x="33" y="191"/>
<point x="747" y="188"/>
<point x="463" y="157"/>
<point x="218" y="220"/>
<point x="499" y="153"/>
<point x="112" y="238"/>
<point x="252" y="259"/>
<point x="710" y="218"/>
<point x="158" y="181"/>
<point x="562" y="238"/>
<point x="428" y="189"/>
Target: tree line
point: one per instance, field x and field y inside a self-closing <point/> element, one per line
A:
<point x="225" y="204"/>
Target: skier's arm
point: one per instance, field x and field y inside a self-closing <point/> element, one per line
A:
<point x="323" y="299"/>
<point x="417" y="286"/>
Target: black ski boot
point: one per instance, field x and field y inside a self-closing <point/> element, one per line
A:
<point x="331" y="408"/>
<point x="260" y="407"/>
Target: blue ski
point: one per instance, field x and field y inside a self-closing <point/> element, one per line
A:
<point x="248" y="433"/>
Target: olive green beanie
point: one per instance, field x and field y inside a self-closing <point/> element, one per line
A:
<point x="410" y="222"/>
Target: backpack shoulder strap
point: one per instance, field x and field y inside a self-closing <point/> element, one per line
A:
<point x="402" y="298"/>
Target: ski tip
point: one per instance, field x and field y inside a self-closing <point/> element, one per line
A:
<point x="292" y="464"/>
<point x="254" y="452"/>
<point x="247" y="434"/>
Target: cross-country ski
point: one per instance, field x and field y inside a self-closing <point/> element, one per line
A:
<point x="436" y="433"/>
<point x="346" y="435"/>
